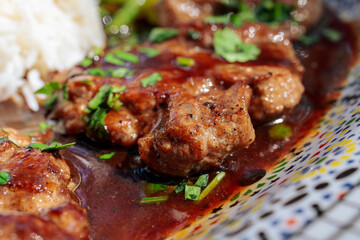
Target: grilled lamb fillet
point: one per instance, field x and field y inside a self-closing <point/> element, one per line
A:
<point x="36" y="201"/>
<point x="151" y="116"/>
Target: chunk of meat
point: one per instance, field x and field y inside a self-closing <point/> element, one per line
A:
<point x="198" y="133"/>
<point x="156" y="117"/>
<point x="37" y="189"/>
<point x="275" y="89"/>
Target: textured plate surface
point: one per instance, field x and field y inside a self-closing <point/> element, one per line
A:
<point x="313" y="192"/>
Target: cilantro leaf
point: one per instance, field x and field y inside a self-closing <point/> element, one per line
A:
<point x="100" y="97"/>
<point x="97" y="123"/>
<point x="151" y="80"/>
<point x="5" y="177"/>
<point x="120" y="72"/>
<point x="228" y="45"/>
<point x="96" y="72"/>
<point x="51" y="147"/>
<point x="86" y="62"/>
<point x="49" y="88"/>
<point x="112" y="59"/>
<point x="158" y="35"/>
<point x="51" y="101"/>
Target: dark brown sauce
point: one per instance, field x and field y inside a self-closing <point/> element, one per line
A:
<point x="111" y="191"/>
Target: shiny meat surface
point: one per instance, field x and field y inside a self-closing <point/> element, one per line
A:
<point x="157" y="117"/>
<point x="37" y="198"/>
<point x="200" y="130"/>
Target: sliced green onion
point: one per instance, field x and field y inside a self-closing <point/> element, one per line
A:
<point x="107" y="155"/>
<point x="212" y="185"/>
<point x="181" y="186"/>
<point x="154" y="199"/>
<point x="86" y="62"/>
<point x="5" y="177"/>
<point x="151" y="80"/>
<point x="202" y="180"/>
<point x="280" y="131"/>
<point x="129" y="57"/>
<point x="192" y="192"/>
<point x="112" y="59"/>
<point x="187" y="62"/>
<point x="158" y="35"/>
<point x="156" y="187"/>
<point x="150" y="52"/>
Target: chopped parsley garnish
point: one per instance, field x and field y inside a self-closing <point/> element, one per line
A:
<point x="151" y="80"/>
<point x="43" y="126"/>
<point x="112" y="59"/>
<point x="128" y="57"/>
<point x="97" y="123"/>
<point x="97" y="72"/>
<point x="51" y="147"/>
<point x="48" y="88"/>
<point x="212" y="185"/>
<point x="228" y="45"/>
<point x="181" y="186"/>
<point x="5" y="177"/>
<point x="202" y="180"/>
<point x="272" y="12"/>
<point x="86" y="62"/>
<point x="120" y="72"/>
<point x="280" y="131"/>
<point x="158" y="35"/>
<point x="192" y="192"/>
<point x="332" y="35"/>
<point x="107" y="155"/>
<point x="154" y="199"/>
<point x="187" y="62"/>
<point x="100" y="97"/>
<point x="150" y="52"/>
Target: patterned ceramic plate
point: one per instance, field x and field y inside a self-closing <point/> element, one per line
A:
<point x="311" y="193"/>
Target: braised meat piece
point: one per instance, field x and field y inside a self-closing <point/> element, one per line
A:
<point x="186" y="118"/>
<point x="36" y="201"/>
<point x="200" y="130"/>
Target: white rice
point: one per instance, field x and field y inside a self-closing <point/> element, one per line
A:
<point x="38" y="36"/>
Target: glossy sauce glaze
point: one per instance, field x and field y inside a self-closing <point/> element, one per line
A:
<point x="111" y="190"/>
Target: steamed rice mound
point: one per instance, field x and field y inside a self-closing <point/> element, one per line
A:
<point x="39" y="36"/>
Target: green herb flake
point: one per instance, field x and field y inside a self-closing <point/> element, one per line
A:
<point x="156" y="187"/>
<point x="228" y="45"/>
<point x="86" y="62"/>
<point x="97" y="123"/>
<point x="280" y="131"/>
<point x="120" y="72"/>
<point x="128" y="57"/>
<point x="43" y="126"/>
<point x="158" y="35"/>
<point x="150" y="52"/>
<point x="51" y="147"/>
<point x="332" y="35"/>
<point x="48" y="88"/>
<point x="194" y="35"/>
<point x="107" y="155"/>
<point x="87" y="82"/>
<point x="309" y="39"/>
<point x="96" y="72"/>
<point x="65" y="92"/>
<point x="151" y="80"/>
<point x="51" y="101"/>
<point x="97" y="50"/>
<point x="192" y="192"/>
<point x="3" y="139"/>
<point x="154" y="199"/>
<point x="112" y="59"/>
<point x="187" y="62"/>
<point x="202" y="180"/>
<point x="100" y="97"/>
<point x="212" y="185"/>
<point x="5" y="177"/>
<point x="181" y="186"/>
